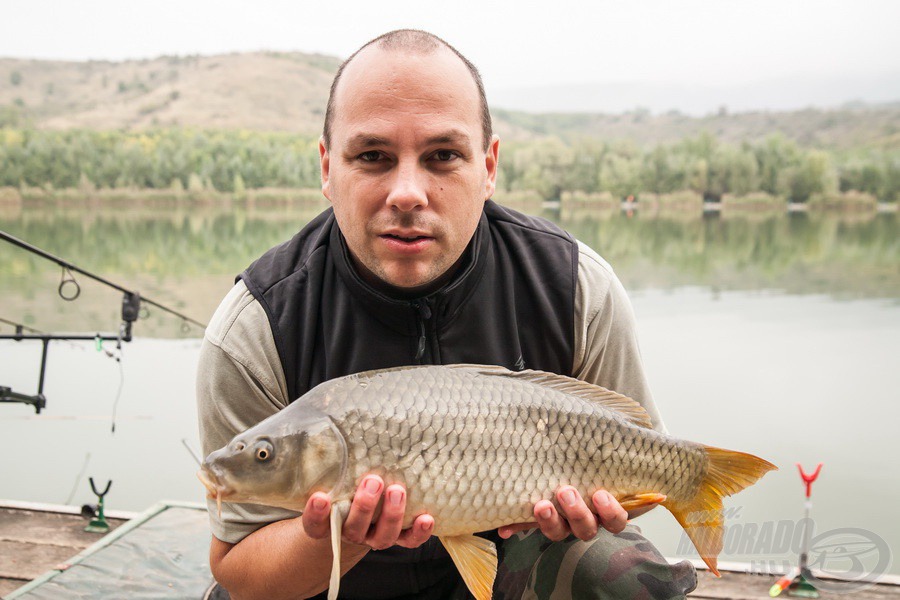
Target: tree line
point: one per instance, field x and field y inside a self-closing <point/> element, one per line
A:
<point x="233" y="161"/>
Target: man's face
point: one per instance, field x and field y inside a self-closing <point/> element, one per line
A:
<point x="406" y="170"/>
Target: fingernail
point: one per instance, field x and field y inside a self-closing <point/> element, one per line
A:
<point x="569" y="498"/>
<point x="546" y="513"/>
<point x="427" y="525"/>
<point x="395" y="497"/>
<point x="602" y="498"/>
<point x="373" y="486"/>
<point x="319" y="503"/>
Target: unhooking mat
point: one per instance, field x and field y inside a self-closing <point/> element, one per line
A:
<point x="163" y="553"/>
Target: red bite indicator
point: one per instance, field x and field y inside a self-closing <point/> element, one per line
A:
<point x="808" y="478"/>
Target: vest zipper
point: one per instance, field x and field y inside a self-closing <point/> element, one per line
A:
<point x="423" y="312"/>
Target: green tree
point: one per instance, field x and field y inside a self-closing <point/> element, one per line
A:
<point x="814" y="175"/>
<point x="658" y="174"/>
<point x="238" y="187"/>
<point x="890" y="189"/>
<point x="698" y="176"/>
<point x="544" y="167"/>
<point x="773" y="156"/>
<point x="620" y="175"/>
<point x="195" y="183"/>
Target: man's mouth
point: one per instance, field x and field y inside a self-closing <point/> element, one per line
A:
<point x="407" y="239"/>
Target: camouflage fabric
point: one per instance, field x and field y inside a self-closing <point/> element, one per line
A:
<point x="624" y="565"/>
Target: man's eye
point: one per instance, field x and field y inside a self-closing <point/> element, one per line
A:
<point x="445" y="155"/>
<point x="370" y="156"/>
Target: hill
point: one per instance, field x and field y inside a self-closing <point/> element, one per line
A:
<point x="844" y="128"/>
<point x="260" y="91"/>
<point x="269" y="91"/>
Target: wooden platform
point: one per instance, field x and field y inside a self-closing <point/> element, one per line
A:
<point x="35" y="539"/>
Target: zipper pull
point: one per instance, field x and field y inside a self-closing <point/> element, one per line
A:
<point x="425" y="311"/>
<point x="424" y="314"/>
<point x="420" y="352"/>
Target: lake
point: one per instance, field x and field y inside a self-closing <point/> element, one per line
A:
<point x="777" y="335"/>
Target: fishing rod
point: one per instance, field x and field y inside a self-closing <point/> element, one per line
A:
<point x="69" y="290"/>
<point x="19" y="327"/>
<point x="69" y="267"/>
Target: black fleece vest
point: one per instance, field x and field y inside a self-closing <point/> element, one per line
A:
<point x="512" y="303"/>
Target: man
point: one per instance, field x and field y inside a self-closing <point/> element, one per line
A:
<point x="413" y="265"/>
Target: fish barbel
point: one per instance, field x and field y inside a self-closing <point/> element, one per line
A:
<point x="476" y="447"/>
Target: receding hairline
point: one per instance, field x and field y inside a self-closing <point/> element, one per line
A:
<point x="416" y="42"/>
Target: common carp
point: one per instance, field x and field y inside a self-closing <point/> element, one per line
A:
<point x="476" y="447"/>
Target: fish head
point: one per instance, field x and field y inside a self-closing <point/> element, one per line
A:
<point x="278" y="462"/>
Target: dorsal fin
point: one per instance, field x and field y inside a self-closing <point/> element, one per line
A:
<point x="625" y="406"/>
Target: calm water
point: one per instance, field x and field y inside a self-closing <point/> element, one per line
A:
<point x="774" y="335"/>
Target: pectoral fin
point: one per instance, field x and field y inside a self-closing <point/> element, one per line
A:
<point x="337" y="522"/>
<point x="476" y="560"/>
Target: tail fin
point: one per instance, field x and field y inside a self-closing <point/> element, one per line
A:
<point x="728" y="473"/>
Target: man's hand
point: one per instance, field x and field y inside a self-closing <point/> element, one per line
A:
<point x="576" y="517"/>
<point x="360" y="527"/>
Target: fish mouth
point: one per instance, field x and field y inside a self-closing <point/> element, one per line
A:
<point x="214" y="489"/>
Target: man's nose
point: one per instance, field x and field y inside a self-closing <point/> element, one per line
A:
<point x="408" y="188"/>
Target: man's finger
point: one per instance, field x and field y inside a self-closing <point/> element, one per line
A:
<point x="387" y="528"/>
<point x="315" y="516"/>
<point x="581" y="520"/>
<point x="507" y="531"/>
<point x="552" y="524"/>
<point x="418" y="534"/>
<point x="362" y="509"/>
<point x="612" y="516"/>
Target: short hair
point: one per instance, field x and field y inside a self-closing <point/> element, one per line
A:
<point x="413" y="41"/>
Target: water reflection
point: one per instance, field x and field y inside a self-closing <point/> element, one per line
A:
<point x="798" y="253"/>
<point x="187" y="256"/>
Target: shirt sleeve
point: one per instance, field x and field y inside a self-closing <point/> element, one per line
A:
<point x="606" y="346"/>
<point x="240" y="382"/>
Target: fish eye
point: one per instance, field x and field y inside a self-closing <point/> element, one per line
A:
<point x="263" y="450"/>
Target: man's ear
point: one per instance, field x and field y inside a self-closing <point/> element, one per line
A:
<point x="491" y="161"/>
<point x="324" y="165"/>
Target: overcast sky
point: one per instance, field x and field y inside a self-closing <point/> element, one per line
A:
<point x="514" y="43"/>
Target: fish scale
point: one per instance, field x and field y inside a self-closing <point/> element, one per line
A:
<point x="476" y="447"/>
<point x="550" y="426"/>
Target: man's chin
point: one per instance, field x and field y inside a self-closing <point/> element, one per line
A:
<point x="406" y="281"/>
<point x="405" y="284"/>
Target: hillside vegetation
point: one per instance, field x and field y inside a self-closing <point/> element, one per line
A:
<point x="235" y="122"/>
<point x="277" y="91"/>
<point x="259" y="91"/>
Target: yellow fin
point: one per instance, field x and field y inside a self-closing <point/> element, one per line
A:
<point x="635" y="501"/>
<point x="625" y="406"/>
<point x="728" y="472"/>
<point x="476" y="560"/>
